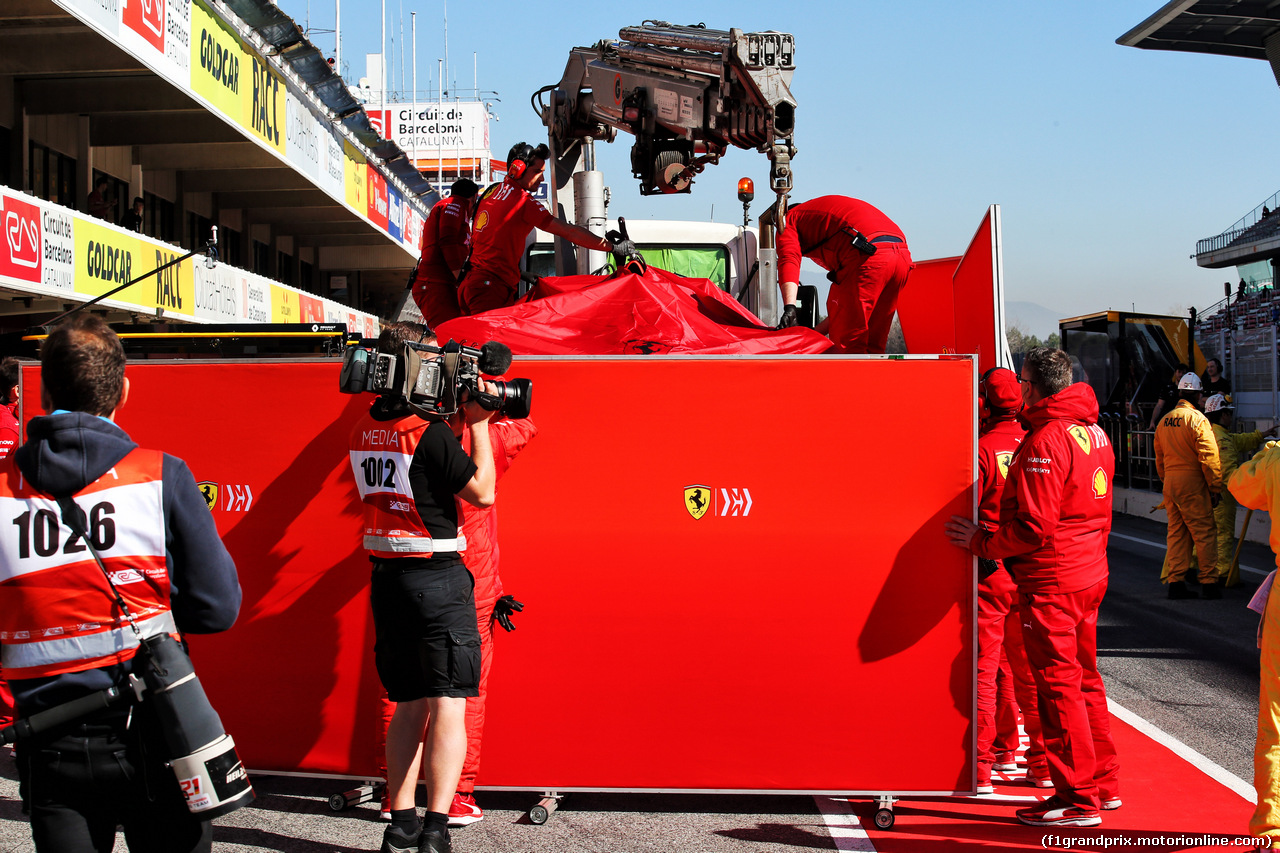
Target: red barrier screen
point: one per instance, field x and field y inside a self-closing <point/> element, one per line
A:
<point x="735" y="571"/>
<point x="925" y="307"/>
<point x="979" y="300"/>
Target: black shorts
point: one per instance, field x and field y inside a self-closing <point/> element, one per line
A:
<point x="424" y="617"/>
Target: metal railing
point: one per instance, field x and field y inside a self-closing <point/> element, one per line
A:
<point x="1249" y="220"/>
<point x="1134" y="447"/>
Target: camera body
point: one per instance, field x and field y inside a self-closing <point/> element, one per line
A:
<point x="431" y="379"/>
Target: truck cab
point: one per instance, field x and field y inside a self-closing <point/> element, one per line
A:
<point x="723" y="253"/>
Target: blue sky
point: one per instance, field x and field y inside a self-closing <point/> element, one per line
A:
<point x="1108" y="162"/>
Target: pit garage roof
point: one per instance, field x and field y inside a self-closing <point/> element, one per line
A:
<point x="64" y="66"/>
<point x="1224" y="27"/>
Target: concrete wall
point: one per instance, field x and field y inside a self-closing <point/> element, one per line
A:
<point x="1143" y="505"/>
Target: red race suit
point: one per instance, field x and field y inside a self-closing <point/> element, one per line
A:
<point x="444" y="249"/>
<point x="865" y="287"/>
<point x="1055" y="517"/>
<point x="480" y="527"/>
<point x="999" y="628"/>
<point x="504" y="217"/>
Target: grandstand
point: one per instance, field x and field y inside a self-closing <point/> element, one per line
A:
<point x="1241" y="328"/>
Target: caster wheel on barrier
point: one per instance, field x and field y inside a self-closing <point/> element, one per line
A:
<point x="337" y="802"/>
<point x="539" y="815"/>
<point x="884" y="818"/>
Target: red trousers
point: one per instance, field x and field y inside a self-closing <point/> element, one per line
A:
<point x="1061" y="636"/>
<point x="7" y="712"/>
<point x="436" y="296"/>
<point x="475" y="709"/>
<point x="1000" y="634"/>
<point x="864" y="297"/>
<point x="1008" y="716"/>
<point x="476" y="295"/>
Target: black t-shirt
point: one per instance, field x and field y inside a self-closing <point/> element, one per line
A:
<point x="439" y="470"/>
<point x="1221" y="385"/>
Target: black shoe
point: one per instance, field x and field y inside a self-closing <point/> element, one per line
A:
<point x="434" y="841"/>
<point x="397" y="841"/>
<point x="1210" y="590"/>
<point x="1178" y="589"/>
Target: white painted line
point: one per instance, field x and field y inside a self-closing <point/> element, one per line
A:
<point x="1160" y="546"/>
<point x="1210" y="768"/>
<point x="842" y="823"/>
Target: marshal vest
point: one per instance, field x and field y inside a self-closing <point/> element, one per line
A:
<point x="381" y="452"/>
<point x="60" y="615"/>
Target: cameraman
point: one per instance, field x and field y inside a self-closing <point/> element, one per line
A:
<point x="62" y="636"/>
<point x="427" y="650"/>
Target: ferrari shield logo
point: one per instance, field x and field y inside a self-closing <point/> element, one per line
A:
<point x="210" y="492"/>
<point x="1003" y="460"/>
<point x="697" y="499"/>
<point x="1099" y="483"/>
<point x="1081" y="435"/>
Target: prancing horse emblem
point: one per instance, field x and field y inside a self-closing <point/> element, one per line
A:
<point x="697" y="499"/>
<point x="210" y="492"/>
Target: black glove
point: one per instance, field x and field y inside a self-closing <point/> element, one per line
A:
<point x="625" y="253"/>
<point x="790" y="316"/>
<point x="502" y="610"/>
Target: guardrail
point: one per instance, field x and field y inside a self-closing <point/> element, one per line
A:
<point x="1243" y="224"/>
<point x="1135" y="451"/>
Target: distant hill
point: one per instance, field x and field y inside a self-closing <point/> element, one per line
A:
<point x="1032" y="318"/>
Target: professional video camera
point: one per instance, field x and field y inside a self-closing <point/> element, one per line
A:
<point x="431" y="379"/>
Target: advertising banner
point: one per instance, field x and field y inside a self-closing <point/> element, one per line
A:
<point x="158" y="32"/>
<point x="50" y="250"/>
<point x="304" y="137"/>
<point x="356" y="174"/>
<point x="284" y="305"/>
<point x="333" y="176"/>
<point x="108" y="257"/>
<point x="395" y="214"/>
<point x="188" y="43"/>
<point x="264" y="104"/>
<point x="376" y="196"/>
<point x="23" y="245"/>
<point x="447" y="131"/>
<point x="413" y="222"/>
<point x="618" y="620"/>
<point x="102" y="15"/>
<point x="219" y="297"/>
<point x="219" y="61"/>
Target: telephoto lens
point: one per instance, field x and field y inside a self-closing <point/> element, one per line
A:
<point x="201" y="753"/>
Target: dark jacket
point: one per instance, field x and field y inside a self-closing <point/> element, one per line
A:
<point x="66" y="452"/>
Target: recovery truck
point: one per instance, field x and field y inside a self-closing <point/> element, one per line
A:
<point x="686" y="94"/>
<point x="708" y="610"/>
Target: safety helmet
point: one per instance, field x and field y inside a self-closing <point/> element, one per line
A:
<point x="1190" y="382"/>
<point x="1217" y="403"/>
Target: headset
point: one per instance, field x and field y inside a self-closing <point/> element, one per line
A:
<point x="521" y="158"/>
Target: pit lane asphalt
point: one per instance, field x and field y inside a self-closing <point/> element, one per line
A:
<point x="1188" y="667"/>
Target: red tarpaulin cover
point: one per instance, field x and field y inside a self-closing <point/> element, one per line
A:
<point x="658" y="312"/>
